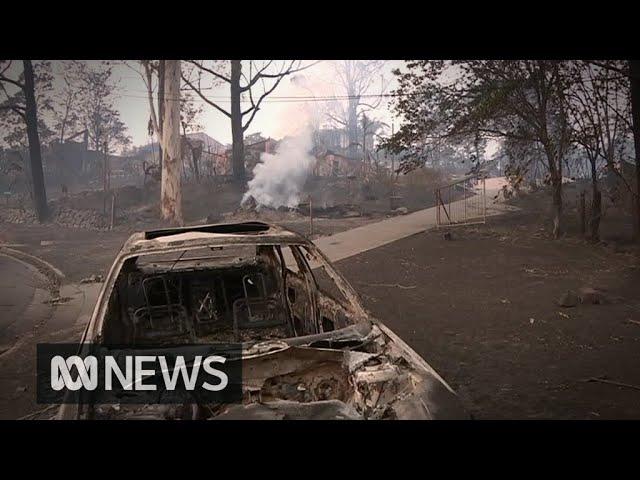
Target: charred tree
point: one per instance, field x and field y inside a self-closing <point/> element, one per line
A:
<point x="31" y="118"/>
<point x="194" y="150"/>
<point x="266" y="75"/>
<point x="634" y="67"/>
<point x="171" y="195"/>
<point x="555" y="174"/>
<point x="237" y="132"/>
<point x="596" y="206"/>
<point x="196" y="153"/>
<point x="356" y="79"/>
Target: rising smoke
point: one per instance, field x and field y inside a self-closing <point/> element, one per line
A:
<point x="279" y="178"/>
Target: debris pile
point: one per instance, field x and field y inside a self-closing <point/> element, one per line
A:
<point x="265" y="214"/>
<point x="88" y="219"/>
<point x="586" y="296"/>
<point x="249" y="204"/>
<point x="65" y="216"/>
<point x="93" y="279"/>
<point x="344" y="210"/>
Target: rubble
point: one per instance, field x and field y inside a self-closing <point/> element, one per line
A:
<point x="352" y="214"/>
<point x="585" y="296"/>
<point x="57" y="300"/>
<point x="93" y="279"/>
<point x="249" y="205"/>
<point x="592" y="296"/>
<point x="65" y="216"/>
<point x="214" y="218"/>
<point x="568" y="299"/>
<point x="343" y="210"/>
<point x="401" y="211"/>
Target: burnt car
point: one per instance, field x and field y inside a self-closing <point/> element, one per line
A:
<point x="309" y="350"/>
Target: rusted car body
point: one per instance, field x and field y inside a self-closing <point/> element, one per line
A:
<point x="309" y="348"/>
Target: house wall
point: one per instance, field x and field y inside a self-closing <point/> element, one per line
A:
<point x="336" y="165"/>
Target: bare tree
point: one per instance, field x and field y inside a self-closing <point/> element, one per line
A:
<point x="631" y="71"/>
<point x="189" y="113"/>
<point x="171" y="195"/>
<point x="261" y="80"/>
<point x="357" y="80"/>
<point x="67" y="108"/>
<point x="598" y="111"/>
<point x="31" y="117"/>
<point x="97" y="107"/>
<point x="153" y="72"/>
<point x="634" y="67"/>
<point x="28" y="112"/>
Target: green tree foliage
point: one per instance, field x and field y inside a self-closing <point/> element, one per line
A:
<point x="522" y="100"/>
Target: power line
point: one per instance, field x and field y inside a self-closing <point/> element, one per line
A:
<point x="281" y="99"/>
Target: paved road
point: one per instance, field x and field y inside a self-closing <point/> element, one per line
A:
<point x="18" y="285"/>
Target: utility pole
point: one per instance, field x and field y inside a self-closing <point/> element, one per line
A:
<point x="364" y="141"/>
<point x="106" y="180"/>
<point x="393" y="155"/>
<point x="107" y="173"/>
<point x="35" y="156"/>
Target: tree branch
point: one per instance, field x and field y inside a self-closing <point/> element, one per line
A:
<point x="208" y="70"/>
<point x="282" y="73"/>
<point x="149" y="83"/>
<point x="6" y="79"/>
<point x="262" y="97"/>
<point x="214" y="105"/>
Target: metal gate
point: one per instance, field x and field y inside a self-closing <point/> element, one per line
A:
<point x="463" y="202"/>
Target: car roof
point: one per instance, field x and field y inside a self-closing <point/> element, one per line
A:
<point x="211" y="235"/>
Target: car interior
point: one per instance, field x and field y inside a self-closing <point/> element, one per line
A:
<point x="231" y="293"/>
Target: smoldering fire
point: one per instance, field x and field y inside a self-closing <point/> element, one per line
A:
<point x="279" y="178"/>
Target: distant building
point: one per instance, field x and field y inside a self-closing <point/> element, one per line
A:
<point x="252" y="153"/>
<point x="335" y="164"/>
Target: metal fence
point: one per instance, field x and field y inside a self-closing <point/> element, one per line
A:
<point x="463" y="202"/>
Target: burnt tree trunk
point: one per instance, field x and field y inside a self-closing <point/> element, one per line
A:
<point x="557" y="205"/>
<point x="171" y="195"/>
<point x="634" y="67"/>
<point x="195" y="158"/>
<point x="237" y="133"/>
<point x="555" y="171"/>
<point x="596" y="204"/>
<point x="31" y="117"/>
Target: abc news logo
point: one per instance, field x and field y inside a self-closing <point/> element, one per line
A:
<point x="179" y="374"/>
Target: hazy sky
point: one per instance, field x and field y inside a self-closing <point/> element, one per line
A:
<point x="280" y="114"/>
<point x="277" y="116"/>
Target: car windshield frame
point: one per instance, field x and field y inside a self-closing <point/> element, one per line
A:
<point x="95" y="328"/>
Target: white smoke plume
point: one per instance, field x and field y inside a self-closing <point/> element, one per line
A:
<point x="279" y="177"/>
